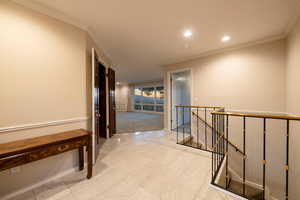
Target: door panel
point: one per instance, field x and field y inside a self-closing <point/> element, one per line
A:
<point x="102" y="101"/>
<point x="112" y="102"/>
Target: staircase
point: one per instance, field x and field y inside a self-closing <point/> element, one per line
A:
<point x="208" y="129"/>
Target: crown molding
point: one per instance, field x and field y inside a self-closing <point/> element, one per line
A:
<point x="33" y="5"/>
<point x="226" y="49"/>
<point x="104" y="53"/>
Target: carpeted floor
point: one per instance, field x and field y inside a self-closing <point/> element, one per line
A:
<point x="128" y="122"/>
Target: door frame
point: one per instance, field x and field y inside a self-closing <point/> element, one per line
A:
<point x="94" y="53"/>
<point x="169" y="102"/>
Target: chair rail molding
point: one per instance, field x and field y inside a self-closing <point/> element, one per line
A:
<point x="42" y="124"/>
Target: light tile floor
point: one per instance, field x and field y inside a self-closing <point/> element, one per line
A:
<point x="138" y="166"/>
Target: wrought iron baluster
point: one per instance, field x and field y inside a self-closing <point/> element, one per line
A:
<point x="217" y="144"/>
<point x="205" y="129"/>
<point x="212" y="143"/>
<point x="183" y="125"/>
<point x="244" y="157"/>
<point x="197" y="128"/>
<point x="176" y="123"/>
<point x="264" y="159"/>
<point x="227" y="156"/>
<point x="287" y="161"/>
<point x="223" y="139"/>
<point x="190" y="117"/>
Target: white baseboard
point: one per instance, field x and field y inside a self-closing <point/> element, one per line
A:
<point x="36" y="185"/>
<point x="220" y="170"/>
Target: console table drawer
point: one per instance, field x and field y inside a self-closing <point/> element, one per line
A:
<point x="55" y="149"/>
<point x="21" y="152"/>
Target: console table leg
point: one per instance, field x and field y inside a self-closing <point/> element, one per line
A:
<point x="81" y="158"/>
<point x="90" y="157"/>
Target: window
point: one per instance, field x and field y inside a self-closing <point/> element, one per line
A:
<point x="159" y="95"/>
<point x="149" y="99"/>
<point x="137" y="96"/>
<point x="148" y="95"/>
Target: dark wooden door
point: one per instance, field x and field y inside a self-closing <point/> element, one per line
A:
<point x="112" y="102"/>
<point x="102" y="101"/>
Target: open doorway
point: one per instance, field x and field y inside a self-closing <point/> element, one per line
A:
<point x="180" y="94"/>
<point x="140" y="106"/>
<point x="103" y="103"/>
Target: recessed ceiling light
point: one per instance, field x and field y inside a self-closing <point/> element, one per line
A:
<point x="187" y="33"/>
<point x="226" y="38"/>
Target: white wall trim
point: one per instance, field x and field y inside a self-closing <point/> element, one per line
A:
<point x="226" y="49"/>
<point x="41" y="124"/>
<point x="219" y="175"/>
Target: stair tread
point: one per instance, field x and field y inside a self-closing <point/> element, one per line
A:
<point x="250" y="192"/>
<point x="191" y="143"/>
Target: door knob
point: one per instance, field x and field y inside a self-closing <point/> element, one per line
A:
<point x="98" y="115"/>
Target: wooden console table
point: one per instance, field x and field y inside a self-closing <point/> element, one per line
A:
<point x="20" y="152"/>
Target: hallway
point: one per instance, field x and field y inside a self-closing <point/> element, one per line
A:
<point x="143" y="165"/>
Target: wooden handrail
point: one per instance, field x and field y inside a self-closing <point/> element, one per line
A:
<point x="253" y="115"/>
<point x="230" y="143"/>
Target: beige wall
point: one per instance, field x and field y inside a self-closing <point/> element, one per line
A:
<point x="45" y="76"/>
<point x="293" y="106"/>
<point x="253" y="79"/>
<point x="122" y="96"/>
<point x="249" y="78"/>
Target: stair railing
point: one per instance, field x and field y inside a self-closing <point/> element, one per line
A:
<point x="220" y="141"/>
<point x="209" y="126"/>
<point x="183" y="128"/>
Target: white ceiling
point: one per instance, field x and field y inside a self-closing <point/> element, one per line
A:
<point x="141" y="36"/>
